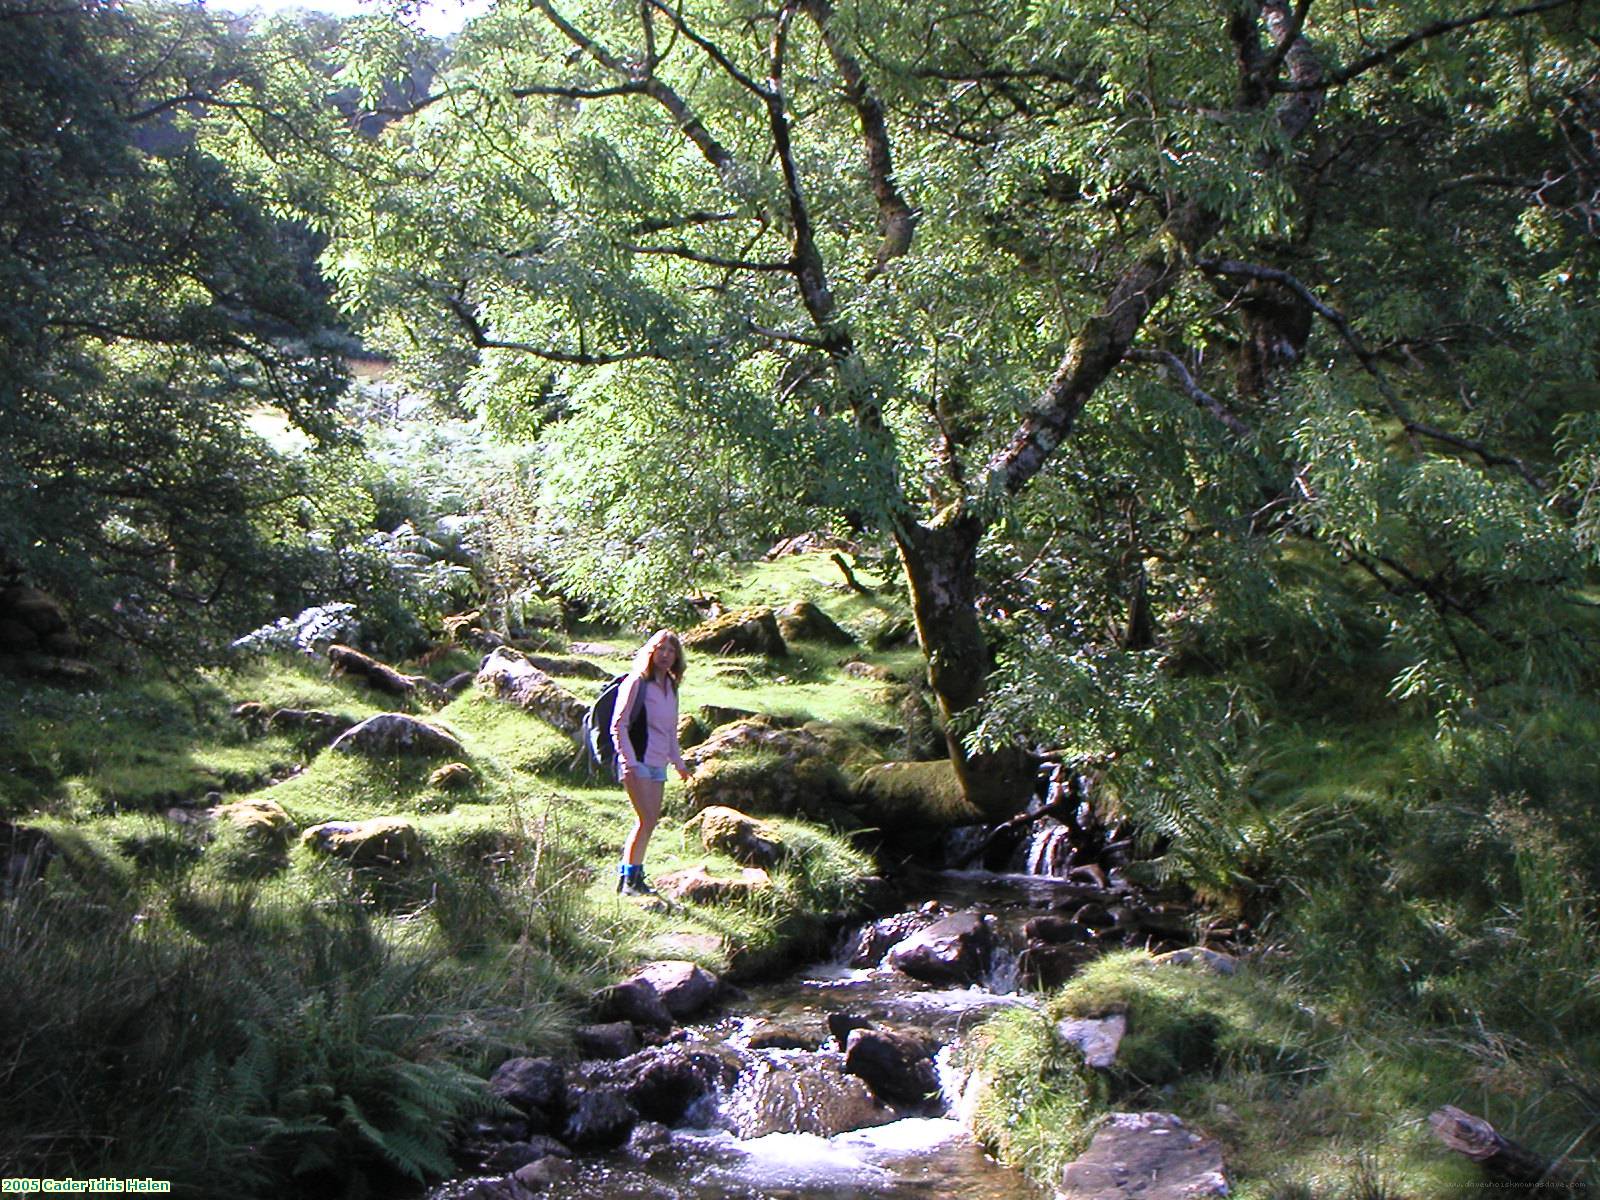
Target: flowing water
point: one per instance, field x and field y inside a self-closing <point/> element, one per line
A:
<point x="772" y="1135"/>
<point x="795" y="1126"/>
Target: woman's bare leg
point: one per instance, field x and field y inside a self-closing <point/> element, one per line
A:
<point x="645" y="795"/>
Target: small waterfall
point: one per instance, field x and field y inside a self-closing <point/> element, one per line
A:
<point x="1049" y="849"/>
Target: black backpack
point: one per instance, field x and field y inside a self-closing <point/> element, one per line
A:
<point x="597" y="728"/>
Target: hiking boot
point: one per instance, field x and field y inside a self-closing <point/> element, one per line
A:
<point x="634" y="885"/>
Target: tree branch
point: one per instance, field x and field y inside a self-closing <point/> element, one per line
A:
<point x="895" y="216"/>
<point x="711" y="260"/>
<point x="710" y="47"/>
<point x="1098" y="348"/>
<point x="482" y="341"/>
<point x="1185" y="380"/>
<point x="1400" y="45"/>
<point x="1369" y="362"/>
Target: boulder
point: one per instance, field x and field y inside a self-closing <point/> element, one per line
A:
<point x="452" y="777"/>
<point x="805" y="622"/>
<point x="805" y="1095"/>
<point x="390" y="735"/>
<point x="634" y="1000"/>
<point x="752" y="631"/>
<point x="664" y="1083"/>
<point x="1148" y="1155"/>
<point x="896" y="1066"/>
<point x="684" y="987"/>
<point x="743" y="839"/>
<point x="698" y="886"/>
<point x="543" y="1172"/>
<point x="1096" y="1038"/>
<point x="877" y="938"/>
<point x="768" y="1036"/>
<point x="530" y="1084"/>
<point x="608" y="1040"/>
<point x="508" y="675"/>
<point x="260" y="821"/>
<point x="599" y="1118"/>
<point x="378" y="842"/>
<point x="954" y="950"/>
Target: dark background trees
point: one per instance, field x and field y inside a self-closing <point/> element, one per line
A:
<point x="150" y="308"/>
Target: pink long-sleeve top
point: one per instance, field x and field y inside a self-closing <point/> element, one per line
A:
<point x="660" y="700"/>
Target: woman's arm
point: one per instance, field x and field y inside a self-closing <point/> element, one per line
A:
<point x="627" y="697"/>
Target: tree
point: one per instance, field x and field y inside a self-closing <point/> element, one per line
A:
<point x="149" y="306"/>
<point x="945" y="251"/>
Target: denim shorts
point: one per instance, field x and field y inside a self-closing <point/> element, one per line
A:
<point x="654" y="774"/>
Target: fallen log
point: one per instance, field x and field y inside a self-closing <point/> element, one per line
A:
<point x="1498" y="1155"/>
<point x="381" y="677"/>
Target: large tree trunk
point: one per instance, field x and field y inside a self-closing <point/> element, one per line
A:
<point x="941" y="564"/>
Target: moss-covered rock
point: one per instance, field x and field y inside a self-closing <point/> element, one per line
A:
<point x="805" y="622"/>
<point x="452" y="777"/>
<point x="914" y="800"/>
<point x="771" y="784"/>
<point x="751" y="631"/>
<point x="259" y="820"/>
<point x="743" y="839"/>
<point x="382" y="842"/>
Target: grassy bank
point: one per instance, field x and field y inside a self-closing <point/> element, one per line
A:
<point x="208" y="999"/>
<point x="1424" y="903"/>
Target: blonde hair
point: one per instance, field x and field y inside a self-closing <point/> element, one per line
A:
<point x="642" y="660"/>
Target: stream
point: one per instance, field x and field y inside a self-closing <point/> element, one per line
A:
<point x="784" y="1121"/>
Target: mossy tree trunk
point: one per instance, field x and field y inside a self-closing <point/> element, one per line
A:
<point x="941" y="564"/>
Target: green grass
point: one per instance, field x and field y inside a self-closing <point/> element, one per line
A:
<point x="305" y="1027"/>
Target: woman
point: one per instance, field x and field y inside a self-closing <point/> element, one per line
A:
<point x="652" y="682"/>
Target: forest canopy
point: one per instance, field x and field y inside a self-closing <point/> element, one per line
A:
<point x="1139" y="328"/>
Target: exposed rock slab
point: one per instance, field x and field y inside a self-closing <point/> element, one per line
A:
<point x="391" y="735"/>
<point x="954" y="950"/>
<point x="1096" y="1038"/>
<point x="684" y="987"/>
<point x="509" y="675"/>
<point x="698" y="886"/>
<point x="1145" y="1156"/>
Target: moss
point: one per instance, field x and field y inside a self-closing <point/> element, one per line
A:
<point x="909" y="797"/>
